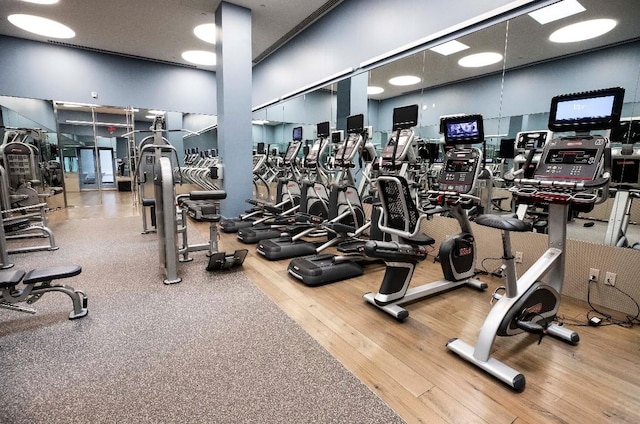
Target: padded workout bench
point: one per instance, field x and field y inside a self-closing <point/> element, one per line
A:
<point x="37" y="282"/>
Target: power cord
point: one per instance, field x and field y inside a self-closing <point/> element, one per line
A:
<point x="596" y="317"/>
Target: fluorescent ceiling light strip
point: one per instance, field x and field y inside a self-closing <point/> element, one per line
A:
<point x="557" y="11"/>
<point x="317" y="84"/>
<point x="449" y="48"/>
<point x="450" y="30"/>
<point x="100" y="124"/>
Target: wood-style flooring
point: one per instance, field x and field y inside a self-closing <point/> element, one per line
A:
<point x="407" y="364"/>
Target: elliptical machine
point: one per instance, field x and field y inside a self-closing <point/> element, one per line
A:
<point x="570" y="171"/>
<point x="402" y="220"/>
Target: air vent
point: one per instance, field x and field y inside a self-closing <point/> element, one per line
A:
<point x="130" y="56"/>
<point x="321" y="11"/>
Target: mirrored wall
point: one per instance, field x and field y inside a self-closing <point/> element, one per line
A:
<point x="526" y="63"/>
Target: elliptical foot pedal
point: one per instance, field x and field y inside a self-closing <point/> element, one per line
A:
<point x="222" y="260"/>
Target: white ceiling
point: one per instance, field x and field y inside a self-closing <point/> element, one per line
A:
<point x="159" y="29"/>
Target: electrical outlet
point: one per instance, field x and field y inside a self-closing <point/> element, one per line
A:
<point x="518" y="257"/>
<point x="594" y="274"/>
<point x="610" y="278"/>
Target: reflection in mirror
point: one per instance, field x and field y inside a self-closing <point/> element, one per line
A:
<point x="96" y="142"/>
<point x="30" y="155"/>
<point x="537" y="71"/>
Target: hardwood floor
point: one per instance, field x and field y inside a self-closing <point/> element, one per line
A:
<point x="407" y="364"/>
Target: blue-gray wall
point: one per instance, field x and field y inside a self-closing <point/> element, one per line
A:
<point x="44" y="71"/>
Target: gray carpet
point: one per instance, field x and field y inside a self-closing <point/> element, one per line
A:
<point x="212" y="349"/>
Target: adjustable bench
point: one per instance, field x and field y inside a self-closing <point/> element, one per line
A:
<point x="37" y="282"/>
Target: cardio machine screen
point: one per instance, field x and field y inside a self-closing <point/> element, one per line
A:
<point x="572" y="157"/>
<point x="405" y="117"/>
<point x="467" y="129"/>
<point x="355" y="124"/>
<point x="592" y="110"/>
<point x="322" y="129"/>
<point x="297" y="134"/>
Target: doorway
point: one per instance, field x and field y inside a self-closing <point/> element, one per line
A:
<point x="96" y="172"/>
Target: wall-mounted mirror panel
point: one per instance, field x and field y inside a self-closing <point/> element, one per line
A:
<point x="513" y="93"/>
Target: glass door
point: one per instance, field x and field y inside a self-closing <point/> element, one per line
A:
<point x="96" y="174"/>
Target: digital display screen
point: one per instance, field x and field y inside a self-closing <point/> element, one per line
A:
<point x="591" y="110"/>
<point x="322" y="129"/>
<point x="507" y="148"/>
<point x="292" y="151"/>
<point x="297" y="133"/>
<point x="355" y="123"/>
<point x="462" y="129"/>
<point x="572" y="157"/>
<point x="405" y="117"/>
<point x="594" y="108"/>
<point x="336" y="137"/>
<point x="466" y="129"/>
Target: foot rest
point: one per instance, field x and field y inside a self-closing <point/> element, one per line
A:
<point x="53" y="273"/>
<point x="222" y="260"/>
<point x="9" y="278"/>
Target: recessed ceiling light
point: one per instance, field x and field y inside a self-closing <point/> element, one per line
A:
<point x="200" y="57"/>
<point x="42" y="1"/>
<point x="150" y="116"/>
<point x="480" y="59"/>
<point x="374" y="90"/>
<point x="404" y="80"/>
<point x="557" y="11"/>
<point x="450" y="47"/>
<point x="206" y="32"/>
<point x="41" y="26"/>
<point x="157" y="112"/>
<point x="259" y="122"/>
<point x="581" y="31"/>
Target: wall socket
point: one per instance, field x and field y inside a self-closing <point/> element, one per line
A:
<point x="610" y="278"/>
<point x="518" y="257"/>
<point x="594" y="274"/>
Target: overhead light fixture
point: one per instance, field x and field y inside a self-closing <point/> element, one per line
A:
<point x="42" y="1"/>
<point x="200" y="57"/>
<point x="150" y="116"/>
<point x="557" y="11"/>
<point x="478" y="60"/>
<point x="450" y="47"/>
<point x="41" y="26"/>
<point x="581" y="31"/>
<point x="260" y="122"/>
<point x="157" y="112"/>
<point x="371" y="90"/>
<point x="206" y="32"/>
<point x="404" y="80"/>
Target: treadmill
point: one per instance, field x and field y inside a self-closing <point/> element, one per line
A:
<point x="327" y="268"/>
<point x="346" y="214"/>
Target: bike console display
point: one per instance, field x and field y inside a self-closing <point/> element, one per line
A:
<point x="572" y="159"/>
<point x="460" y="170"/>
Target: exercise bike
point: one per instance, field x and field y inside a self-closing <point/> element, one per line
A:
<point x="402" y="220"/>
<point x="569" y="174"/>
